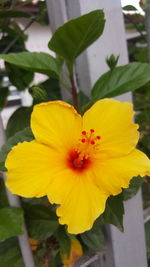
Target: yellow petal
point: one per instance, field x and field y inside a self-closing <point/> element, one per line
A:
<point x="31" y="167"/>
<point x="112" y="120"/>
<point x="75" y="253"/>
<point x="56" y="123"/>
<point x="113" y="174"/>
<point x="81" y="202"/>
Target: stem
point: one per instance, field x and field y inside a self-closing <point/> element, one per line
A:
<point x="136" y="27"/>
<point x="18" y="36"/>
<point x="74" y="92"/>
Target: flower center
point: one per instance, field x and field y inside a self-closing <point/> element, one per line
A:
<point x="80" y="157"/>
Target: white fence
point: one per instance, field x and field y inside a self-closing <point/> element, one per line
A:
<point x="123" y="249"/>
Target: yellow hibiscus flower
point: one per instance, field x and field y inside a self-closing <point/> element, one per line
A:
<point x="78" y="162"/>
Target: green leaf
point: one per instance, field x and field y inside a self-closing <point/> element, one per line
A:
<point x="52" y="88"/>
<point x="41" y="221"/>
<point x="129" y="8"/>
<point x="94" y="238"/>
<point x="64" y="240"/>
<point x="12" y="258"/>
<point x="114" y="212"/>
<point x="19" y="77"/>
<point x="24" y="135"/>
<point x="19" y="120"/>
<point x="11" y="220"/>
<point x="13" y="14"/>
<point x="121" y="80"/>
<point x="134" y="186"/>
<point x="10" y="254"/>
<point x="34" y="61"/>
<point x="39" y="94"/>
<point x="71" y="39"/>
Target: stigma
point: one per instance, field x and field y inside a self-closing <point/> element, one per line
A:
<point x="89" y="137"/>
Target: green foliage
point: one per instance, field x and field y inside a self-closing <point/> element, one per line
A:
<point x="64" y="240"/>
<point x="41" y="221"/>
<point x="18" y="77"/>
<point x="24" y="135"/>
<point x="13" y="14"/>
<point x="52" y="88"/>
<point x="134" y="186"/>
<point x="114" y="212"/>
<point x="4" y="92"/>
<point x="39" y="94"/>
<point x="10" y="254"/>
<point x="94" y="238"/>
<point x="3" y="197"/>
<point x="34" y="62"/>
<point x="121" y="80"/>
<point x="71" y="39"/>
<point x="21" y="115"/>
<point x="11" y="220"/>
<point x="129" y="8"/>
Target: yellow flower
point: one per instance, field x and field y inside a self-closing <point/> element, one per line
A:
<point x="75" y="253"/>
<point x="77" y="161"/>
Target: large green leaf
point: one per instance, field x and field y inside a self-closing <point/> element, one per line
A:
<point x="114" y="212"/>
<point x="75" y="36"/>
<point x="11" y="220"/>
<point x="24" y="135"/>
<point x="41" y="221"/>
<point x="94" y="238"/>
<point x="34" y="61"/>
<point x="121" y="80"/>
<point x="19" y="120"/>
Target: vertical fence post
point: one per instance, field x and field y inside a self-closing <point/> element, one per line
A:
<point x="123" y="249"/>
<point x="14" y="201"/>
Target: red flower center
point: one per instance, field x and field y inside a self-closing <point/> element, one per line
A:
<point x="79" y="159"/>
<point x="78" y="162"/>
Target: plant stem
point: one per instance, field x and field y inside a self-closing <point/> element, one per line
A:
<point x="74" y="92"/>
<point x="18" y="36"/>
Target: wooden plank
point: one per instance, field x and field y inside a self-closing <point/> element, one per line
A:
<point x="128" y="249"/>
